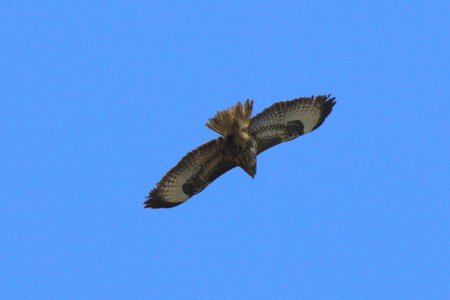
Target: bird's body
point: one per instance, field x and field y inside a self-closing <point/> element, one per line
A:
<point x="243" y="138"/>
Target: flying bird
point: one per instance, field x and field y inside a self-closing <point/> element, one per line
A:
<point x="242" y="139"/>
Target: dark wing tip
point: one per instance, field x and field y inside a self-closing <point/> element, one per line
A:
<point x="326" y="106"/>
<point x="155" y="200"/>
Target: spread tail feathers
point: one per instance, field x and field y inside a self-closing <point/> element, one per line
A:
<point x="224" y="122"/>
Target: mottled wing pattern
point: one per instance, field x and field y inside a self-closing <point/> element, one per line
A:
<point x="286" y="120"/>
<point x="191" y="175"/>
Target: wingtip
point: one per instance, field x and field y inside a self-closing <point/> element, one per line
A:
<point x="154" y="203"/>
<point x="327" y="102"/>
<point x="325" y="99"/>
<point x="154" y="200"/>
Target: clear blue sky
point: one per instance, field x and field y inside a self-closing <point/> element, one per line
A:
<point x="100" y="98"/>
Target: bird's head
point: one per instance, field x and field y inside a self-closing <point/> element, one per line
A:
<point x="248" y="159"/>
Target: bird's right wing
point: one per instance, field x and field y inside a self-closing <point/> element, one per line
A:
<point x="195" y="171"/>
<point x="286" y="120"/>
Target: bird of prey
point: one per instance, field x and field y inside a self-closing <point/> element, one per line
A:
<point x="242" y="139"/>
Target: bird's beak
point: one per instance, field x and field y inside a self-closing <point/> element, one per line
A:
<point x="251" y="171"/>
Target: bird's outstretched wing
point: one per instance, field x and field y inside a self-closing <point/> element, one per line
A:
<point x="286" y="120"/>
<point x="195" y="171"/>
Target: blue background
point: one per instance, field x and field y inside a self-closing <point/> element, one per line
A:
<point x="100" y="98"/>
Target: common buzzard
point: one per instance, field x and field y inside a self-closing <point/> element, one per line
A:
<point x="243" y="138"/>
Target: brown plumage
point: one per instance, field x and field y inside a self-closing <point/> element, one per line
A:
<point x="243" y="138"/>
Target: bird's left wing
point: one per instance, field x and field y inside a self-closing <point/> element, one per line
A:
<point x="286" y="120"/>
<point x="195" y="171"/>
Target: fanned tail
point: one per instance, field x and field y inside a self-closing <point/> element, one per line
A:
<point x="224" y="121"/>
